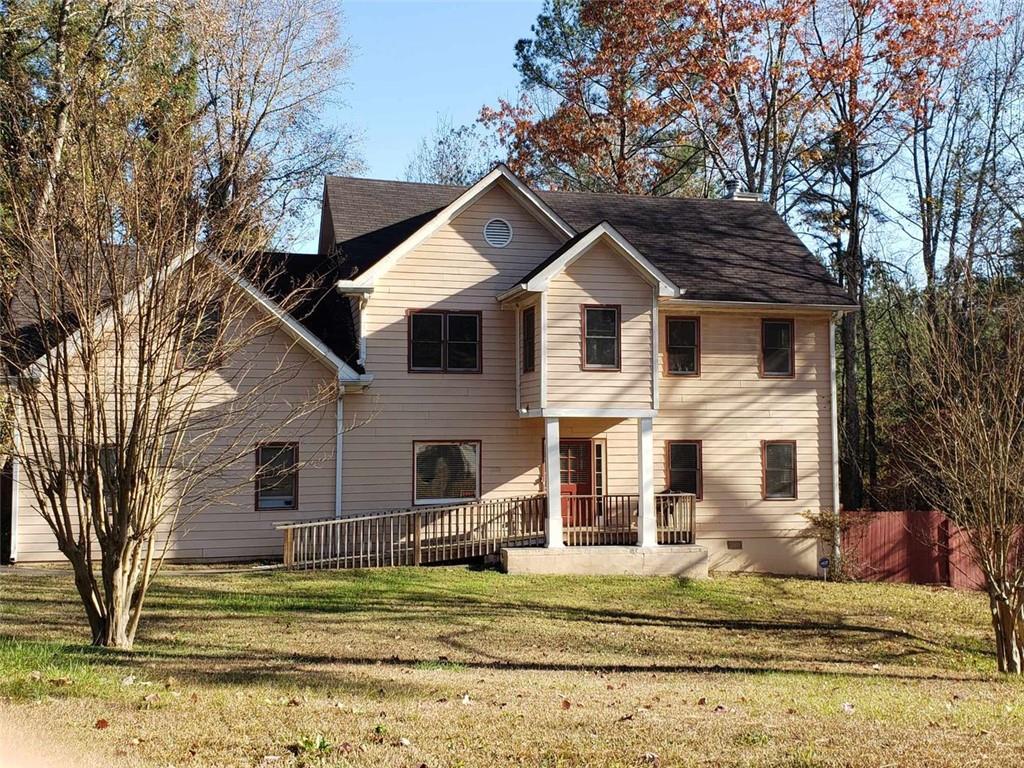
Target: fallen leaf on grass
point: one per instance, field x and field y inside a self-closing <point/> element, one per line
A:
<point x="101" y="724"/>
<point x="566" y="704"/>
<point x="702" y="701"/>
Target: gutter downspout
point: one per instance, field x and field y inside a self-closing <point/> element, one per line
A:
<point x="338" y="452"/>
<point x="837" y="549"/>
<point x="15" y="483"/>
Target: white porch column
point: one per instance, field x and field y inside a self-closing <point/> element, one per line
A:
<point x="647" y="524"/>
<point x="552" y="477"/>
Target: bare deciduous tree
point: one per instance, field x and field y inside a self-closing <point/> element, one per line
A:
<point x="452" y="155"/>
<point x="138" y="347"/>
<point x="962" y="448"/>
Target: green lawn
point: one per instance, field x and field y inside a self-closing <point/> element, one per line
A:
<point x="453" y="667"/>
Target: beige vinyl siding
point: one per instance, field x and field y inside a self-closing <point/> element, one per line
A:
<point x="599" y="276"/>
<point x="529" y="384"/>
<point x="455" y="269"/>
<point x="731" y="410"/>
<point x="223" y="523"/>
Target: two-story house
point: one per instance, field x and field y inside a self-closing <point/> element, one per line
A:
<point x="591" y="352"/>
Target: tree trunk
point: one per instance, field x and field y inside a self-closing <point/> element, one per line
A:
<point x="1008" y="624"/>
<point x="852" y="487"/>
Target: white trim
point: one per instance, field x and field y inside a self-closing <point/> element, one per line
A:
<point x="834" y="413"/>
<point x="655" y="356"/>
<point x="647" y="522"/>
<point x="519" y="354"/>
<point x="590" y="413"/>
<point x="651" y="273"/>
<point x="500" y="174"/>
<point x="553" y="484"/>
<point x="339" y="444"/>
<point x="543" y="350"/>
<point x="362" y="292"/>
<point x="15" y="493"/>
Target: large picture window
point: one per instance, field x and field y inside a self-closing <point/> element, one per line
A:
<point x="684" y="467"/>
<point x="446" y="471"/>
<point x="528" y="339"/>
<point x="777" y="348"/>
<point x="444" y="342"/>
<point x="778" y="458"/>
<point x="682" y="345"/>
<point x="600" y="338"/>
<point x="277" y="476"/>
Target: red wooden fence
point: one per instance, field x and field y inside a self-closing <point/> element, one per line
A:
<point x="909" y="548"/>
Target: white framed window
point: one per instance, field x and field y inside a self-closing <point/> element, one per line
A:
<point x="446" y="471"/>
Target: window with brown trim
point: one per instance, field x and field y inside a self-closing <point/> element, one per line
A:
<point x="444" y="342"/>
<point x="601" y="337"/>
<point x="778" y="462"/>
<point x="446" y="471"/>
<point x="682" y="345"/>
<point x="529" y="339"/>
<point x="277" y="476"/>
<point x="685" y="470"/>
<point x="777" y="348"/>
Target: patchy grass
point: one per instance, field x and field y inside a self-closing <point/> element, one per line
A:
<point x="455" y="667"/>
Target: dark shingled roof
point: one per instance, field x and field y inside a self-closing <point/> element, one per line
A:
<point x="717" y="250"/>
<point x="302" y="280"/>
<point x="308" y="279"/>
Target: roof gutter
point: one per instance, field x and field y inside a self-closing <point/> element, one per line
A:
<point x="839" y="308"/>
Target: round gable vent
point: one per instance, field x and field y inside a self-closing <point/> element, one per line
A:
<point x="498" y="232"/>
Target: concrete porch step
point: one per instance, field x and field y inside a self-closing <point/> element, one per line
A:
<point x="686" y="560"/>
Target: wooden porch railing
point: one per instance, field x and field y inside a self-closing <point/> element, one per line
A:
<point x="612" y="519"/>
<point x="415" y="536"/>
<point x="419" y="536"/>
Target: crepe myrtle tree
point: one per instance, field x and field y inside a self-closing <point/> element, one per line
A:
<point x="136" y="353"/>
<point x="962" y="448"/>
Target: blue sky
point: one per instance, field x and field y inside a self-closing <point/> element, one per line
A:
<point x="416" y="59"/>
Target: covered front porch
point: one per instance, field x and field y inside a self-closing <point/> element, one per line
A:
<point x="574" y="525"/>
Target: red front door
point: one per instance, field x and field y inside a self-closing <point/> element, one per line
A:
<point x="577" y="481"/>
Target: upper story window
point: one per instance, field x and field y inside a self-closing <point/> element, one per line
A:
<point x="601" y="333"/>
<point x="777" y="348"/>
<point x="682" y="345"/>
<point x="778" y="460"/>
<point x="277" y="476"/>
<point x="444" y="342"/>
<point x="446" y="471"/>
<point x="684" y="467"/>
<point x="528" y="339"/>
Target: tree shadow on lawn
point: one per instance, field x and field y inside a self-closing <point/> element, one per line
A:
<point x="180" y="610"/>
<point x="415" y="603"/>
